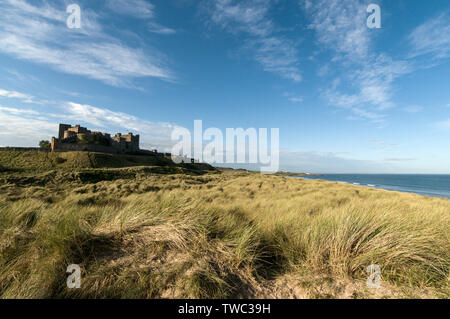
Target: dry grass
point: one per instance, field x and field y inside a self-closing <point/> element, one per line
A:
<point x="34" y="161"/>
<point x="220" y="236"/>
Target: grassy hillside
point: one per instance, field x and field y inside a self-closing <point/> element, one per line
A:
<point x="149" y="233"/>
<point x="43" y="161"/>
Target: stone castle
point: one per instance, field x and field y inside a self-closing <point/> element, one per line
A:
<point x="78" y="138"/>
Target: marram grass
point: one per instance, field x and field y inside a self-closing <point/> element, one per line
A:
<point x="220" y="236"/>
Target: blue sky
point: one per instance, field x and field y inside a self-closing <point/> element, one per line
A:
<point x="346" y="98"/>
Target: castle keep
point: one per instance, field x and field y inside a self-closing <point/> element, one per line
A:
<point x="78" y="138"/>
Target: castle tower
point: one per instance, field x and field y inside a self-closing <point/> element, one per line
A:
<point x="62" y="128"/>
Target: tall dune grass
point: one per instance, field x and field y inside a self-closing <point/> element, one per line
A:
<point x="217" y="236"/>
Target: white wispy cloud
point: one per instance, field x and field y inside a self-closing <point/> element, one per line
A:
<point x="23" y="97"/>
<point x="157" y="28"/>
<point x="292" y="97"/>
<point x="22" y="77"/>
<point x="374" y="117"/>
<point x="366" y="84"/>
<point x="44" y="11"/>
<point x="329" y="162"/>
<point x="399" y="159"/>
<point x="140" y="9"/>
<point x="341" y="25"/>
<point x="250" y="20"/>
<point x="39" y="34"/>
<point x="432" y="38"/>
<point x="19" y="127"/>
<point x="16" y="111"/>
<point x="372" y="83"/>
<point x="443" y="125"/>
<point x="296" y="99"/>
<point x="413" y="108"/>
<point x="104" y="117"/>
<point x="137" y="8"/>
<point x="15" y="95"/>
<point x="383" y="145"/>
<point x="323" y="70"/>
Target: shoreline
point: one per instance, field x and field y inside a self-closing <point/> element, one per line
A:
<point x="388" y="188"/>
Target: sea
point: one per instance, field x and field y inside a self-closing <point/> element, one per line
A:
<point x="428" y="185"/>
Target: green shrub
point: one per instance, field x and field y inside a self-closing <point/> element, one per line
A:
<point x="45" y="144"/>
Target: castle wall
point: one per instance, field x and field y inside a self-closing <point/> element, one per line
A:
<point x="126" y="143"/>
<point x="14" y="148"/>
<point x="68" y="134"/>
<point x="67" y="147"/>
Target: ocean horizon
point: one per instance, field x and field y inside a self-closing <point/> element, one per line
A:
<point x="434" y="185"/>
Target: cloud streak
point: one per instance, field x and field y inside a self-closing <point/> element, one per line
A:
<point x="443" y="125"/>
<point x="40" y="35"/>
<point x="341" y="25"/>
<point x="432" y="38"/>
<point x="137" y="8"/>
<point x="250" y="19"/>
<point x="159" y="29"/>
<point x="365" y="88"/>
<point x="15" y="95"/>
